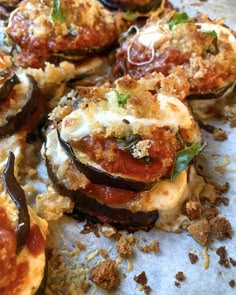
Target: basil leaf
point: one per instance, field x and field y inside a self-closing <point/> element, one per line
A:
<point x="210" y="33"/>
<point x="57" y="12"/>
<point x="185" y="156"/>
<point x="129" y="16"/>
<point x="179" y="18"/>
<point x="122" y="98"/>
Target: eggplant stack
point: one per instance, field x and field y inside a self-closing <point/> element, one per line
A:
<point x="121" y="151"/>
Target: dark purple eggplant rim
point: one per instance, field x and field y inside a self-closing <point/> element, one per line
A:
<point x="100" y="177"/>
<point x="17" y="195"/>
<point x="95" y="211"/>
<point x="15" y="123"/>
<point x="134" y="7"/>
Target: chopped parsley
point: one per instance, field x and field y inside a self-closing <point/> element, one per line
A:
<point x="122" y="98"/>
<point x="179" y="18"/>
<point x="57" y="12"/>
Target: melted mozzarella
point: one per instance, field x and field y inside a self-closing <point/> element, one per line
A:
<point x="167" y="195"/>
<point x="54" y="151"/>
<point x="81" y="122"/>
<point x="152" y="35"/>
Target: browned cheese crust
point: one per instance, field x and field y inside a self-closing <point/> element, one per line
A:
<point x="87" y="27"/>
<point x="205" y="49"/>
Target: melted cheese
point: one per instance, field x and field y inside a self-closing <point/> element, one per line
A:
<point x="81" y="122"/>
<point x="153" y="35"/>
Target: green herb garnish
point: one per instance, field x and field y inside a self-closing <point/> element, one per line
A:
<point x="179" y="18"/>
<point x="57" y="12"/>
<point x="129" y="16"/>
<point x="210" y="33"/>
<point x="185" y="156"/>
<point x="122" y="98"/>
<point x="129" y="141"/>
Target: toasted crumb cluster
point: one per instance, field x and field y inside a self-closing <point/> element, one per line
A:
<point x="193" y="258"/>
<point x="105" y="274"/>
<point x="123" y="247"/>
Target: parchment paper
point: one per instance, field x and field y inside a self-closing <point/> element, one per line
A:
<point x="174" y="248"/>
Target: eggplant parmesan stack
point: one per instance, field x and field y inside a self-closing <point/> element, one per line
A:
<point x="64" y="30"/>
<point x="205" y="49"/>
<point x="23" y="265"/>
<point x="19" y="98"/>
<point x="121" y="151"/>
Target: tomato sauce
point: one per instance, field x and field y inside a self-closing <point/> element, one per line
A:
<point x="109" y="195"/>
<point x="35" y="242"/>
<point x="7" y="250"/>
<point x="160" y="63"/>
<point x="164" y="146"/>
<point x="14" y="287"/>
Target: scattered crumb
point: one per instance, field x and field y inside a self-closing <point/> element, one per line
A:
<point x="123" y="247"/>
<point x="153" y="247"/>
<point x="224" y="201"/>
<point x="90" y="228"/>
<point x="104" y="253"/>
<point x="220" y="134"/>
<point x="177" y="284"/>
<point x="80" y="246"/>
<point x="193" y="258"/>
<point x="141" y="278"/>
<point x="108" y="231"/>
<point x="85" y="286"/>
<point x="147" y="289"/>
<point x="180" y="276"/>
<point x="206" y="257"/>
<point x="105" y="274"/>
<point x="232" y="261"/>
<point x="232" y="283"/>
<point x="210" y="213"/>
<point x="221" y="228"/>
<point x="224" y="261"/>
<point x="200" y="231"/>
<point x="193" y="210"/>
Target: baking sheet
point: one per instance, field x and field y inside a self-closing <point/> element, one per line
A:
<point x="174" y="248"/>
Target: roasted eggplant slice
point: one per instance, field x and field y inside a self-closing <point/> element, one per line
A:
<point x="108" y="204"/>
<point x="22" y="240"/>
<point x="133" y="5"/>
<point x="205" y="49"/>
<point x="117" y="141"/>
<point x="74" y="29"/>
<point x="21" y="103"/>
<point x="100" y="177"/>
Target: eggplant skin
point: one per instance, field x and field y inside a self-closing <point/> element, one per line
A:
<point x="214" y="94"/>
<point x="17" y="195"/>
<point x="100" y="177"/>
<point x="8" y="86"/>
<point x="16" y="122"/>
<point x="132" y="5"/>
<point x="96" y="212"/>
